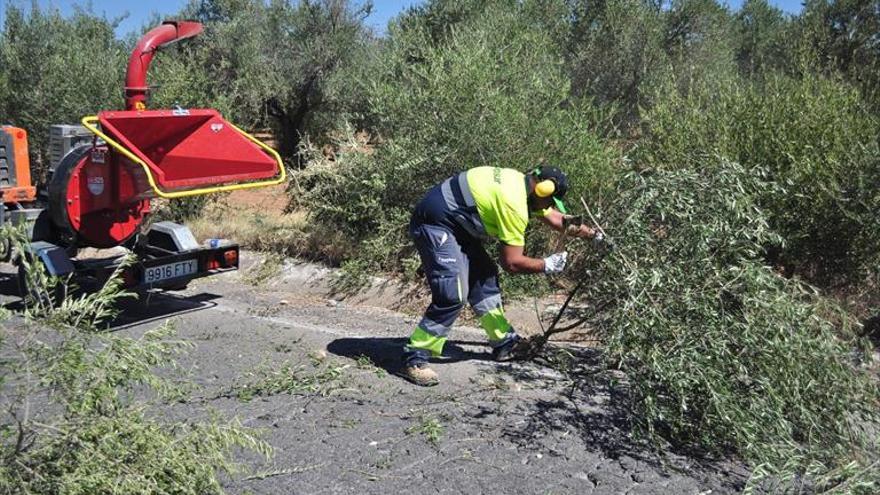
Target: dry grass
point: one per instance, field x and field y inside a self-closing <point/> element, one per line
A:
<point x="257" y="220"/>
<point x="252" y="229"/>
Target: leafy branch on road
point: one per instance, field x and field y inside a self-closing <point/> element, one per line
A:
<point x="78" y="413"/>
<point x="290" y="379"/>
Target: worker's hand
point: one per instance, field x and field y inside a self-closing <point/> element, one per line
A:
<point x="555" y="263"/>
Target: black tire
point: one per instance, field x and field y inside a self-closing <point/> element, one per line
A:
<point x="26" y="292"/>
<point x="5" y="250"/>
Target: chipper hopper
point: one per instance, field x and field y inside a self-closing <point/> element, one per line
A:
<point x="101" y="184"/>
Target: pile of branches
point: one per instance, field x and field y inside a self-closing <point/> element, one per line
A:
<point x="721" y="352"/>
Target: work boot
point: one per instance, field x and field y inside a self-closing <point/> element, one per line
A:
<point x="415" y="367"/>
<point x="421" y="375"/>
<point x="510" y="349"/>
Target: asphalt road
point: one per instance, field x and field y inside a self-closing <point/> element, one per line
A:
<point x="316" y="372"/>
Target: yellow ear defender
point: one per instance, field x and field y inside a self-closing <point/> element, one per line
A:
<point x="544" y="188"/>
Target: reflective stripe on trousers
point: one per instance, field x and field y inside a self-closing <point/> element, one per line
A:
<point x="456" y="272"/>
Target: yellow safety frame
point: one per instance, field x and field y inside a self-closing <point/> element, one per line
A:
<point x="90" y="122"/>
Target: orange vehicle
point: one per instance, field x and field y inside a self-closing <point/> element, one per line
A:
<point x="15" y="167"/>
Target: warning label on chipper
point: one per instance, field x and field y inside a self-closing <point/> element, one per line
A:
<point x="96" y="185"/>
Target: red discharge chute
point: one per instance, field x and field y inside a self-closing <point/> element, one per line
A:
<point x="168" y="32"/>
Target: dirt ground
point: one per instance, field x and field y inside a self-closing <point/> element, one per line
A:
<point x="317" y="373"/>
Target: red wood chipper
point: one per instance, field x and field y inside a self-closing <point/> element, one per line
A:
<point x="104" y="174"/>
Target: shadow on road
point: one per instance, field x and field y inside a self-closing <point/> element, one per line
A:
<point x="159" y="306"/>
<point x="385" y="352"/>
<point x="595" y="402"/>
<point x="151" y="307"/>
<point x="590" y="400"/>
<point x="556" y="396"/>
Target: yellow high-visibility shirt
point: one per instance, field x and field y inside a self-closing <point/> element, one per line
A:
<point x="502" y="202"/>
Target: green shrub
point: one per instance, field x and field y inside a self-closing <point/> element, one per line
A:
<point x="493" y="92"/>
<point x="699" y="38"/>
<point x="182" y="210"/>
<point x="841" y="36"/>
<point x="619" y="51"/>
<point x="817" y="142"/>
<point x="614" y="48"/>
<point x="720" y="352"/>
<point x="763" y="34"/>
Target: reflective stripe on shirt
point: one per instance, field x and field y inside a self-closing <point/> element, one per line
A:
<point x="461" y="204"/>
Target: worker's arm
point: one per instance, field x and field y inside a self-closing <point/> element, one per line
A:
<point x="555" y="220"/>
<point x="513" y="260"/>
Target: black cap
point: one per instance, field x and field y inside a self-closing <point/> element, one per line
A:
<point x="559" y="178"/>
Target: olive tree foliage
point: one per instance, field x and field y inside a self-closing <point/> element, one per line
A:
<point x="619" y="51"/>
<point x="818" y="143"/>
<point x="842" y="35"/>
<point x="492" y="91"/>
<point x="55" y="70"/>
<point x="438" y="19"/>
<point x="762" y="37"/>
<point x="277" y="64"/>
<point x="614" y="48"/>
<point x="720" y="352"/>
<point x="698" y="40"/>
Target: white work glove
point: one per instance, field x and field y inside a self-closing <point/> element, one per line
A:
<point x="555" y="263"/>
<point x="600" y="242"/>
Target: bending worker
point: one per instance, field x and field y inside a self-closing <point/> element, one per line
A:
<point x="448" y="228"/>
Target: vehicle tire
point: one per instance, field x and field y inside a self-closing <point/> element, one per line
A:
<point x="26" y="292"/>
<point x="5" y="250"/>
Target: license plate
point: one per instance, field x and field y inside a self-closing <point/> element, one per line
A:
<point x="159" y="273"/>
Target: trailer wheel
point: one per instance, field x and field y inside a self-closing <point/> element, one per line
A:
<point x="5" y="250"/>
<point x="51" y="299"/>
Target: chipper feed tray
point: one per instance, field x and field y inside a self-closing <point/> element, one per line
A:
<point x="186" y="152"/>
